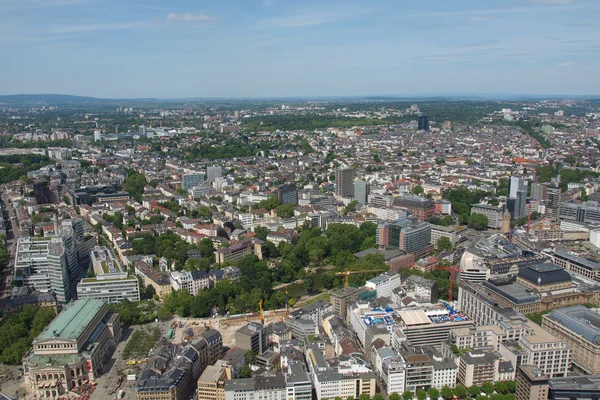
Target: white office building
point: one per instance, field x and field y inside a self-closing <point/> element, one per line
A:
<point x="111" y="283"/>
<point x="384" y="283"/>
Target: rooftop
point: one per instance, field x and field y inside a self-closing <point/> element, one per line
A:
<point x="72" y="321"/>
<point x="580" y="320"/>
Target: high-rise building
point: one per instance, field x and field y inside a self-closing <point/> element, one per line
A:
<point x="97" y="135"/>
<point x="41" y="263"/>
<point x="362" y="189"/>
<point x="538" y="191"/>
<point x="143" y="131"/>
<point x="553" y="200"/>
<point x="409" y="235"/>
<point x="192" y="180"/>
<point x="212" y="173"/>
<point x="518" y="191"/>
<point x="344" y="182"/>
<point x="288" y="194"/>
<point x="423" y="122"/>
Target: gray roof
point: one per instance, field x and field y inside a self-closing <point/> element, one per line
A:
<point x="580" y="320"/>
<point x="544" y="274"/>
<point x="581" y="261"/>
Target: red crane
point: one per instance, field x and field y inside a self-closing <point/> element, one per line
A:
<point x="453" y="272"/>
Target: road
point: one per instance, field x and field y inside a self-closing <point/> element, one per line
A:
<point x="12" y="235"/>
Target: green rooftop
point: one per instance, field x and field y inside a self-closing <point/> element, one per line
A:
<point x="72" y="321"/>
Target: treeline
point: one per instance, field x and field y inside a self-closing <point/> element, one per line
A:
<point x="461" y="199"/>
<point x="18" y="331"/>
<point x="8" y="142"/>
<point x="310" y="122"/>
<point x="134" y="184"/>
<point x="528" y="128"/>
<point x="13" y="167"/>
<point x="547" y="172"/>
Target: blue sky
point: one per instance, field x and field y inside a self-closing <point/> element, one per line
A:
<point x="246" y="48"/>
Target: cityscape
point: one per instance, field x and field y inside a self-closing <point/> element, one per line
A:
<point x="308" y="223"/>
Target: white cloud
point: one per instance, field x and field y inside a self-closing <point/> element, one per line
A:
<point x="566" y="64"/>
<point x="189" y="17"/>
<point x="479" y="19"/>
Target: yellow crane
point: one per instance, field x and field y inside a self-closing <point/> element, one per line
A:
<point x="347" y="272"/>
<point x="262" y="317"/>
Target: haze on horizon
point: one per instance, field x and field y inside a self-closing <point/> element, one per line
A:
<point x="277" y="48"/>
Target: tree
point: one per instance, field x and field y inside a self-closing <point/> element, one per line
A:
<point x="512" y="386"/>
<point x="447" y="393"/>
<point x="444" y="243"/>
<point x="150" y="291"/>
<point x="309" y="283"/>
<point x="378" y="396"/>
<point x="394" y="396"/>
<point x="134" y="184"/>
<point x="407" y="395"/>
<point x="418" y="189"/>
<point x="351" y="207"/>
<point x="250" y="357"/>
<point x="473" y="390"/>
<point x="460" y="391"/>
<point x="261" y="232"/>
<point x="285" y="211"/>
<point x="478" y="221"/>
<point x="433" y="393"/>
<point x="364" y="396"/>
<point x="488" y="388"/>
<point x="421" y="394"/>
<point x="245" y="371"/>
<point x="501" y="387"/>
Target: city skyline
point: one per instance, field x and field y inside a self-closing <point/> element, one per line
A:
<point x="273" y="48"/>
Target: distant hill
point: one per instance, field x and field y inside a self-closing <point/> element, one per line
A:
<point x="47" y="98"/>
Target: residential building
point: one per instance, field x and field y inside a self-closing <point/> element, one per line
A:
<point x="393" y="374"/>
<point x="192" y="282"/>
<point x="73" y="349"/>
<point x="299" y="385"/>
<point x="422" y="288"/>
<point x="477" y="367"/>
<point x="240" y="250"/>
<point x="344" y="182"/>
<point x="151" y="276"/>
<point x="258" y="387"/>
<point x="111" y="283"/>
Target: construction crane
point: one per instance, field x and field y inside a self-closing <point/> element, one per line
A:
<point x="453" y="272"/>
<point x="347" y="273"/>
<point x="287" y="303"/>
<point x="262" y="317"/>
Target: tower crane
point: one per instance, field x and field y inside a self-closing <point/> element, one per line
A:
<point x="453" y="272"/>
<point x="262" y="317"/>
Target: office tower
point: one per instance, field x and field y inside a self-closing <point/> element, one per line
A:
<point x="553" y="200"/>
<point x="143" y="131"/>
<point x="423" y="122"/>
<point x="212" y="173"/>
<point x="288" y="194"/>
<point x="41" y="263"/>
<point x="538" y="191"/>
<point x="97" y="135"/>
<point x="362" y="189"/>
<point x="344" y="182"/>
<point x="518" y="191"/>
<point x="189" y="181"/>
<point x="41" y="192"/>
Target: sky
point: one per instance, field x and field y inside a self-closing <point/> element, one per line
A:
<point x="279" y="48"/>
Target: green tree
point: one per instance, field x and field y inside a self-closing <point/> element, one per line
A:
<point x="487" y="388"/>
<point x="447" y="393"/>
<point x="261" y="232"/>
<point x="245" y="371"/>
<point x="501" y="387"/>
<point x="378" y="396"/>
<point x="433" y="393"/>
<point x="418" y="189"/>
<point x="134" y="184"/>
<point x="285" y="210"/>
<point x="444" y="243"/>
<point x="512" y="386"/>
<point x="351" y="207"/>
<point x="150" y="291"/>
<point x="460" y="391"/>
<point x="421" y="394"/>
<point x="309" y="283"/>
<point x="395" y="396"/>
<point x="364" y="396"/>
<point x="250" y="357"/>
<point x="407" y="395"/>
<point x="478" y="221"/>
<point x="473" y="390"/>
